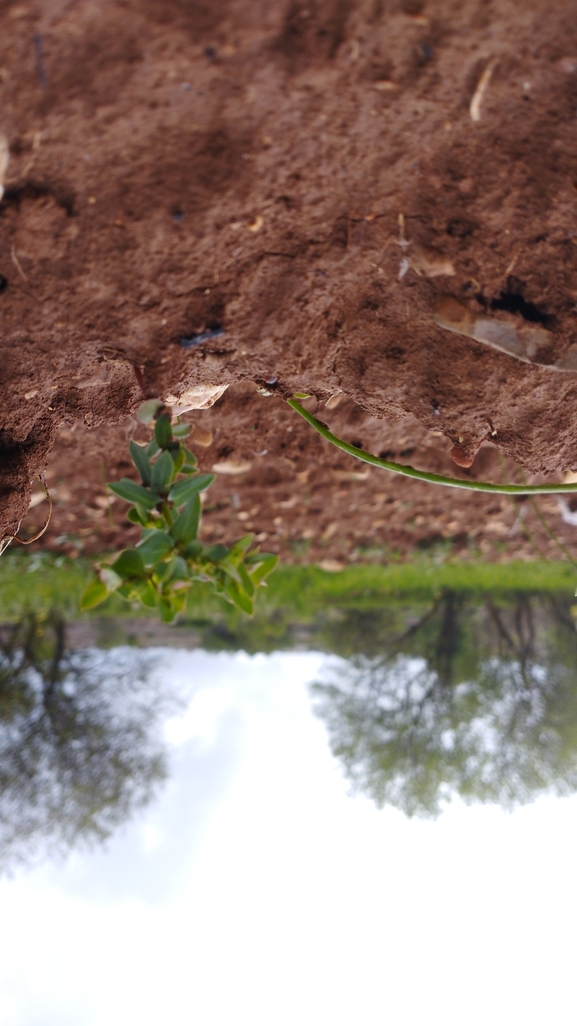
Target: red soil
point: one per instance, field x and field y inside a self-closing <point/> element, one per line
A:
<point x="178" y="165"/>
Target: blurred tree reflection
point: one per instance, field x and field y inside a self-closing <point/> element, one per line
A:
<point x="77" y="747"/>
<point x="475" y="698"/>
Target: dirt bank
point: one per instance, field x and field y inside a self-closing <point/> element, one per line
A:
<point x="300" y="496"/>
<point x="238" y="169"/>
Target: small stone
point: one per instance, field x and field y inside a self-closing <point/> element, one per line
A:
<point x="232" y="467"/>
<point x="330" y="530"/>
<point x="188" y="342"/>
<point x="462" y="457"/>
<point x="256" y="225"/>
<point x="330" y="566"/>
<point x="351" y="475"/>
<point x="202" y="437"/>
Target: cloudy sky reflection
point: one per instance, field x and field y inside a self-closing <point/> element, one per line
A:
<point x="254" y="889"/>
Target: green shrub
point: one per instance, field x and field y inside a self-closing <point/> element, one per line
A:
<point x="169" y="556"/>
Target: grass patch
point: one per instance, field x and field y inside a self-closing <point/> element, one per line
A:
<point x="42" y="581"/>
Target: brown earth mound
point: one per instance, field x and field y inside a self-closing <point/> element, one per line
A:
<point x="300" y="496"/>
<point x="306" y="183"/>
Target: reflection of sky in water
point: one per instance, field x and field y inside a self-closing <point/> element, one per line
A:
<point x="255" y="890"/>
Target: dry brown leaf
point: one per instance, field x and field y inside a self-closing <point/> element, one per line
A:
<point x="333" y="402"/>
<point x="201" y="397"/>
<point x="475" y="108"/>
<point x="430" y="264"/>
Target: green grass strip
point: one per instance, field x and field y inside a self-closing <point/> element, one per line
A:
<point x="43" y="581"/>
<point x="423" y="475"/>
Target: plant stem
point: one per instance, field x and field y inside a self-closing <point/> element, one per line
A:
<point x="421" y="475"/>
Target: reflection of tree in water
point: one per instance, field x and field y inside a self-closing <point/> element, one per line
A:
<point x="77" y="751"/>
<point x="475" y="698"/>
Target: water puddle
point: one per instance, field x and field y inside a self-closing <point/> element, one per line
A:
<point x="207" y="832"/>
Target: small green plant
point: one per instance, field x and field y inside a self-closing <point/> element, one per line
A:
<point x="169" y="555"/>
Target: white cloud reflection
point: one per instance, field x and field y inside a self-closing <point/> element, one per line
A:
<point x="255" y="891"/>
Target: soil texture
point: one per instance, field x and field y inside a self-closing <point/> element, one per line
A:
<point x="301" y="497"/>
<point x="295" y="189"/>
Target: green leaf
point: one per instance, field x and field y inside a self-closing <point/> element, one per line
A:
<point x="167" y="613"/>
<point x="193" y="550"/>
<point x="238" y="574"/>
<point x="178" y="600"/>
<point x="147" y="531"/>
<point x="137" y="516"/>
<point x="132" y="492"/>
<point x="152" y="448"/>
<point x="129" y="564"/>
<point x="181" y="430"/>
<point x="231" y="569"/>
<point x="185" y="527"/>
<point x="162" y="472"/>
<point x="190" y="458"/>
<point x="93" y="594"/>
<point x="256" y="557"/>
<point x="179" y="570"/>
<point x="147" y="594"/>
<point x="179" y="459"/>
<point x="182" y="491"/>
<point x="141" y="462"/>
<point x="247" y="583"/>
<point x="263" y="569"/>
<point x="147" y="411"/>
<point x="155" y="547"/>
<point x="214" y="553"/>
<point x="171" y="604"/>
<point x="162" y="570"/>
<point x="110" y="578"/>
<point x="239" y="548"/>
<point x="237" y="597"/>
<point x="163" y="431"/>
<point x="125" y="591"/>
